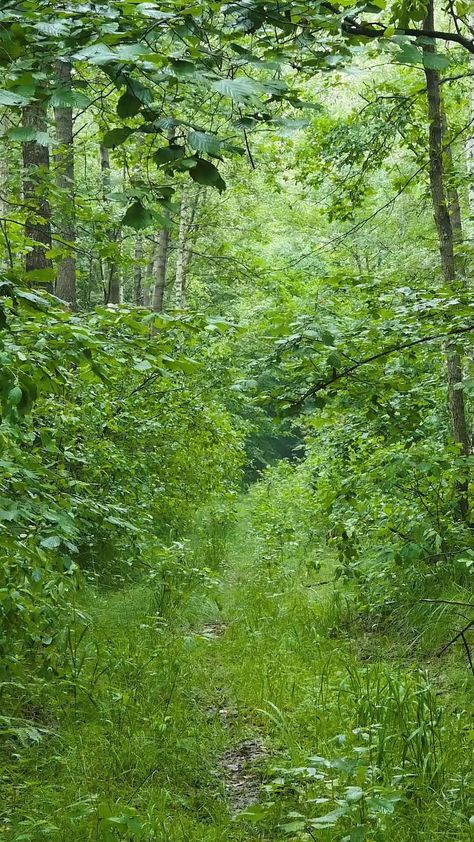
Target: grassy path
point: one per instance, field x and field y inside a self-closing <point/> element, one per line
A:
<point x="171" y="725"/>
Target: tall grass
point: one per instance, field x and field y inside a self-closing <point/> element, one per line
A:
<point x="125" y="744"/>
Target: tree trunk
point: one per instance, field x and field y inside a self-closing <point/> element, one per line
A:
<point x="159" y="270"/>
<point x="470" y="138"/>
<point x="137" y="272"/>
<point x="66" y="272"/>
<point x="6" y="259"/>
<point x="35" y="192"/>
<point x="446" y="238"/>
<point x="149" y="282"/>
<point x="112" y="291"/>
<point x="115" y="279"/>
<point x="188" y="209"/>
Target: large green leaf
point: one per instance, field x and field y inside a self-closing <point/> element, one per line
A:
<point x="409" y="54"/>
<point x="140" y="91"/>
<point x="128" y="105"/>
<point x="206" y="173"/>
<point x="27" y="133"/>
<point x="115" y="137"/>
<point x="51" y="28"/>
<point x="239" y="89"/>
<point x="205" y="142"/>
<point x="168" y="154"/>
<point x="138" y="216"/>
<point x="69" y="98"/>
<point x="96" y="54"/>
<point x="12" y="98"/>
<point x="436" y="61"/>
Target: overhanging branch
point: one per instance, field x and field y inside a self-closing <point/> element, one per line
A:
<point x="345" y="372"/>
<point x="353" y="27"/>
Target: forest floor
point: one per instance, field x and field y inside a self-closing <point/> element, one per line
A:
<point x="168" y="730"/>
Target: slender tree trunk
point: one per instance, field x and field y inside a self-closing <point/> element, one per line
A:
<point x="7" y="255"/>
<point x="66" y="272"/>
<point x="446" y="238"/>
<point x="470" y="139"/>
<point x="159" y="270"/>
<point x="112" y="292"/>
<point x="115" y="274"/>
<point x="188" y="209"/>
<point x="148" y="288"/>
<point x="137" y="272"/>
<point x="35" y="192"/>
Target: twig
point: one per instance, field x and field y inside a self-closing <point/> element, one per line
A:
<point x="449" y="602"/>
<point x="468" y="652"/>
<point x="456" y="637"/>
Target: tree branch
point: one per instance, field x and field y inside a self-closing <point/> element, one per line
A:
<point x="345" y="372"/>
<point x="353" y="27"/>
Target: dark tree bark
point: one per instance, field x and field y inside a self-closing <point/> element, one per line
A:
<point x="446" y="237"/>
<point x="66" y="273"/>
<point x="35" y="191"/>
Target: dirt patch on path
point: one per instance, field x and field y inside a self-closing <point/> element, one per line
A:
<point x="211" y="631"/>
<point x="241" y="781"/>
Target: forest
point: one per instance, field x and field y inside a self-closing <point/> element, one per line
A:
<point x="236" y="421"/>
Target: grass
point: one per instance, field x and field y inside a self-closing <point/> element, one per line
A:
<point x="126" y="744"/>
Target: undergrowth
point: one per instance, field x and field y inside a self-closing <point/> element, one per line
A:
<point x="365" y="741"/>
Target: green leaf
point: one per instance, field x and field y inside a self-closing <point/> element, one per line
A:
<point x="55" y="28"/>
<point x="334" y="360"/>
<point x="96" y="54"/>
<point x="330" y="819"/>
<point x="240" y="88"/>
<point x="42" y="276"/>
<point x="128" y="105"/>
<point x="436" y="61"/>
<point x="384" y="805"/>
<point x="291" y="125"/>
<point x="32" y="298"/>
<point x="206" y="173"/>
<point x="8" y="514"/>
<point x="409" y="54"/>
<point x="354" y="793"/>
<point x="115" y="137"/>
<point x="358" y="834"/>
<point x="182" y="67"/>
<point x="327" y="338"/>
<point x="142" y="365"/>
<point x="137" y="216"/>
<point x="69" y="98"/>
<point x="27" y="133"/>
<point x="125" y="524"/>
<point x="140" y="91"/>
<point x="168" y="154"/>
<point x="14" y="396"/>
<point x="149" y="10"/>
<point x="204" y="142"/>
<point x="294" y="827"/>
<point x="11" y="98"/>
<point x="253" y="813"/>
<point x="52" y="542"/>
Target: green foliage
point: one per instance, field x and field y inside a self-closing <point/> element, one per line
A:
<point x="124" y="433"/>
<point x="95" y="488"/>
